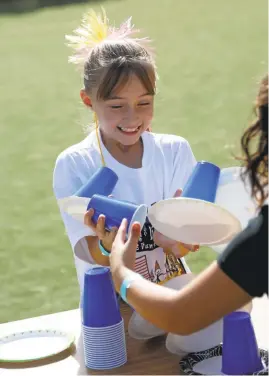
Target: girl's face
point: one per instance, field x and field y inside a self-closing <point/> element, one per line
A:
<point x="127" y="114"/>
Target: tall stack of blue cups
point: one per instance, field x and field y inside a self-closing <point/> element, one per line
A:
<point x="103" y="326"/>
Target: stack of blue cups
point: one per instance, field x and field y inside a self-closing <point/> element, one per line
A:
<point x="103" y="326"/>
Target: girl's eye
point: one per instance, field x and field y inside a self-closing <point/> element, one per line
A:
<point x="115" y="107"/>
<point x="144" y="104"/>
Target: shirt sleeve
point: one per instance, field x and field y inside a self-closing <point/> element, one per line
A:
<point x="66" y="183"/>
<point x="183" y="165"/>
<point x="245" y="260"/>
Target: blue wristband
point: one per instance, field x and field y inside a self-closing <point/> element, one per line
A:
<point x="126" y="283"/>
<point x="102" y="249"/>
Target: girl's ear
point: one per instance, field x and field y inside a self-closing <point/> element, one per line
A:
<point x="85" y="98"/>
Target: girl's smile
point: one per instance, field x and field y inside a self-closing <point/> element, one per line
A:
<point x="129" y="131"/>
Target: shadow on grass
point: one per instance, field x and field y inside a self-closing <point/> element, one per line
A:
<point x="22" y="6"/>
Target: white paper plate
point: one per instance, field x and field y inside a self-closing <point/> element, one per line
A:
<point x="193" y="221"/>
<point x="74" y="206"/>
<point x="234" y="195"/>
<point x="139" y="328"/>
<point x="33" y="345"/>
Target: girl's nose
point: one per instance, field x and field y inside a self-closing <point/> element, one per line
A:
<point x="132" y="116"/>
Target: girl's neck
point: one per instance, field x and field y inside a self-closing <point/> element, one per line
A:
<point x="128" y="155"/>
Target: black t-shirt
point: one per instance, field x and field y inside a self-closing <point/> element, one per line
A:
<point x="245" y="260"/>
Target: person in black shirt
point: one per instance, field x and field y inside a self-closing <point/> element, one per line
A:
<point x="245" y="260"/>
<point x="227" y="284"/>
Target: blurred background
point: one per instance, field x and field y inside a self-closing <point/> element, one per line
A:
<point x="210" y="56"/>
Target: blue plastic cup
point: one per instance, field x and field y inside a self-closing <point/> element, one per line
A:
<point x="103" y="345"/>
<point x="105" y="365"/>
<point x="100" y="304"/>
<point x="203" y="182"/>
<point x="115" y="210"/>
<point x="106" y="331"/>
<point x="102" y="351"/>
<point x="94" y="345"/>
<point x="240" y="353"/>
<point x="102" y="182"/>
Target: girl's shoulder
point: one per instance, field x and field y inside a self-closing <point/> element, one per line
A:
<point x="77" y="162"/>
<point x="81" y="150"/>
<point x="74" y="166"/>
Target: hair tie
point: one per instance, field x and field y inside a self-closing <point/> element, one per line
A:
<point x="95" y="29"/>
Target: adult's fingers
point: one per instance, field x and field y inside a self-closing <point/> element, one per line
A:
<point x="135" y="235"/>
<point x="122" y="230"/>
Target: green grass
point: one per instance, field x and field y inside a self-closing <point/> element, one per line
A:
<point x="210" y="55"/>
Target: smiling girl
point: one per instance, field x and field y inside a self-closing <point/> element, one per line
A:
<point x="119" y="88"/>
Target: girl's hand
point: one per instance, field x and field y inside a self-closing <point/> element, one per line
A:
<point x="124" y="251"/>
<point x="106" y="237"/>
<point x="163" y="241"/>
<point x="181" y="249"/>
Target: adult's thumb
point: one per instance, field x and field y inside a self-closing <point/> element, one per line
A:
<point x="135" y="234"/>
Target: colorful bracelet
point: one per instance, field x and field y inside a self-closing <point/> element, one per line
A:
<point x="102" y="249"/>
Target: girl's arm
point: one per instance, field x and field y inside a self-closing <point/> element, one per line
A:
<point x="93" y="246"/>
<point x="206" y="299"/>
<point x="106" y="238"/>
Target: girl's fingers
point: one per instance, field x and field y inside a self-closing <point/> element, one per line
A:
<point x="182" y="250"/>
<point x="190" y="247"/>
<point x="112" y="235"/>
<point x="162" y="240"/>
<point x="100" y="227"/>
<point x="178" y="192"/>
<point x="88" y="219"/>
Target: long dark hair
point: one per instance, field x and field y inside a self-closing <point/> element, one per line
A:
<point x="255" y="156"/>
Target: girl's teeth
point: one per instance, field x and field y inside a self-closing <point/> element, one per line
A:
<point x="129" y="129"/>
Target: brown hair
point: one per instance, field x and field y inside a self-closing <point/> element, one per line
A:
<point x="256" y="158"/>
<point x="111" y="63"/>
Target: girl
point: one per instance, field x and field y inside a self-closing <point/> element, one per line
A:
<point x="227" y="284"/>
<point x="119" y="87"/>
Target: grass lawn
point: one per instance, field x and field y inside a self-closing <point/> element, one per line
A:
<point x="210" y="55"/>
